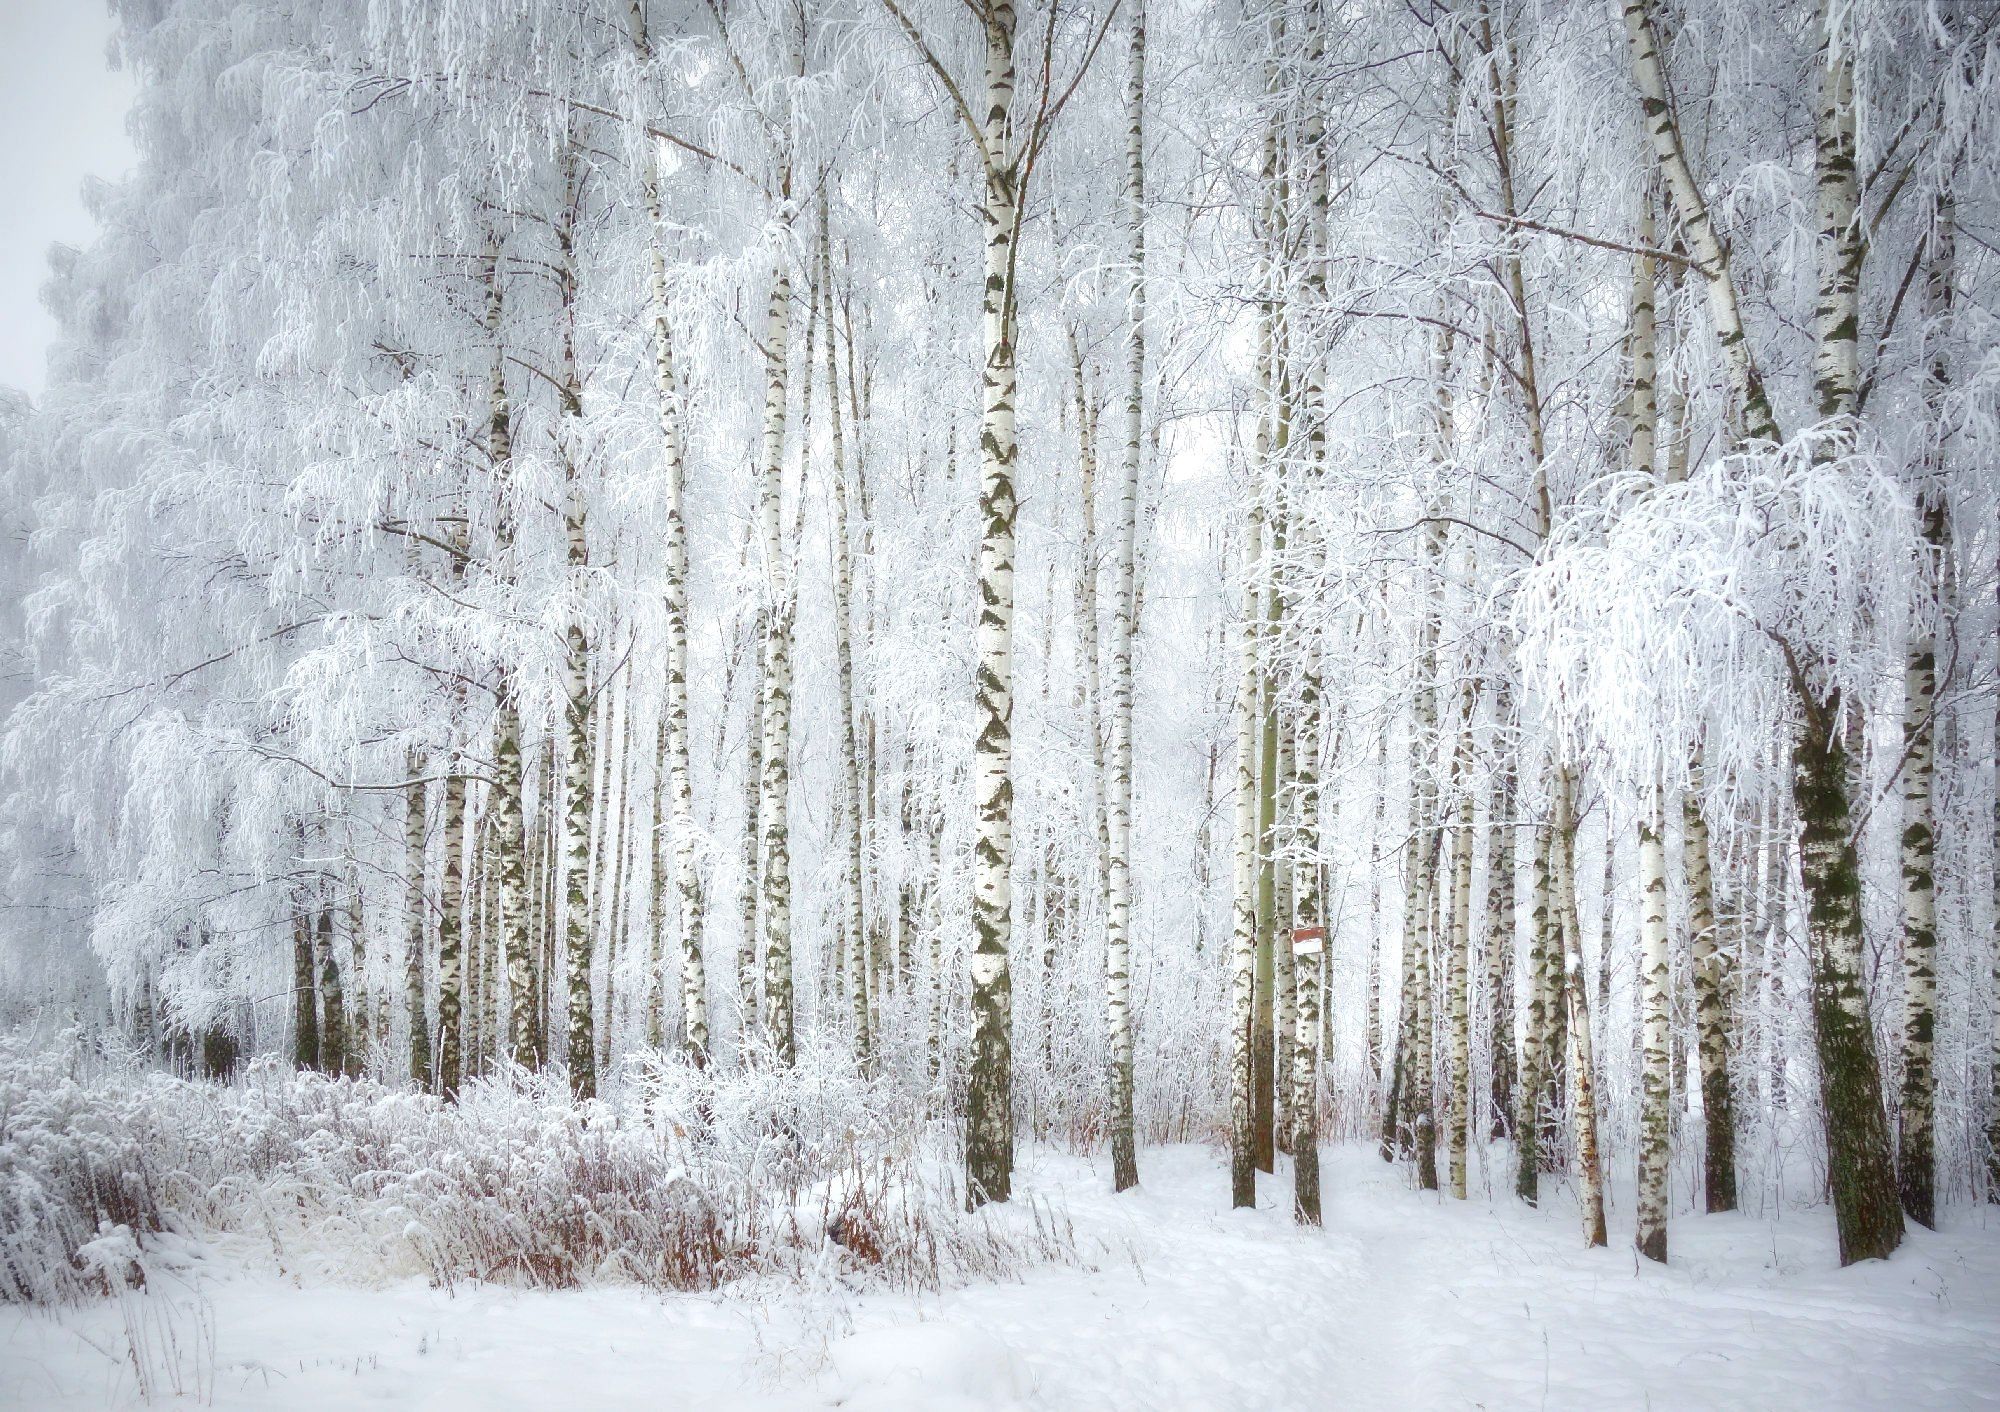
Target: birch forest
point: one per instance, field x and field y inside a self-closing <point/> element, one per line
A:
<point x="866" y="661"/>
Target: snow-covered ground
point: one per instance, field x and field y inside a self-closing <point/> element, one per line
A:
<point x="1402" y="1301"/>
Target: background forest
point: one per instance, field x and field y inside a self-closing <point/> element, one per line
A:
<point x="813" y="595"/>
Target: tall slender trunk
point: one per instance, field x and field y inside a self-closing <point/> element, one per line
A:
<point x="333" y="1051"/>
<point x="1655" y="969"/>
<point x="843" y="639"/>
<point x="1862" y="1174"/>
<point x="1426" y="843"/>
<point x="1088" y="646"/>
<point x="1712" y="1030"/>
<point x="1302" y="938"/>
<point x="1684" y="191"/>
<point x="1458" y="959"/>
<point x="1867" y="1208"/>
<point x="360" y="1010"/>
<point x="483" y="1027"/>
<point x="1655" y="1071"/>
<point x="1308" y="943"/>
<point x="989" y="1121"/>
<point x="579" y="795"/>
<point x="1118" y="808"/>
<point x="1393" y="1101"/>
<point x="1917" y="1156"/>
<point x="1993" y="995"/>
<point x="507" y="804"/>
<point x="1265" y="486"/>
<point x="1576" y="990"/>
<point x="413" y="922"/>
<point x="1500" y="929"/>
<point x="1243" y="932"/>
<point x="749" y="974"/>
<point x="1284" y="988"/>
<point x="1543" y="940"/>
<point x="1373" y="1037"/>
<point x="774" y="806"/>
<point x="677" y="782"/>
<point x="613" y="799"/>
<point x="1554" y="1141"/>
<point x="305" y="997"/>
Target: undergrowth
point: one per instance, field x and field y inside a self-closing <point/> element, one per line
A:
<point x="683" y="1179"/>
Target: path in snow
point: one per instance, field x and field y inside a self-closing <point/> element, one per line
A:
<point x="1402" y="1301"/>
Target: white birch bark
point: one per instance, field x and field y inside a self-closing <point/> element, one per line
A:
<point x="579" y="795"/>
<point x="1118" y="805"/>
<point x="1576" y="992"/>
<point x="1916" y="1166"/>
<point x="413" y="922"/>
<point x="1691" y="209"/>
<point x="774" y="789"/>
<point x="677" y="784"/>
<point x="1655" y="1073"/>
<point x="334" y="1057"/>
<point x="1458" y="957"/>
<point x="1712" y="1028"/>
<point x="1535" y="1030"/>
<point x="1500" y="902"/>
<point x="1243" y="932"/>
<point x="858" y="968"/>
<point x="1867" y="1206"/>
<point x="989" y="1125"/>
<point x="1284" y="989"/>
<point x="749" y="974"/>
<point x="1088" y="645"/>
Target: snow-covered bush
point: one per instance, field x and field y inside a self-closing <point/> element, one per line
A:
<point x="682" y="1179"/>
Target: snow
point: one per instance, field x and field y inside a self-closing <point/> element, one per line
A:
<point x="1404" y="1300"/>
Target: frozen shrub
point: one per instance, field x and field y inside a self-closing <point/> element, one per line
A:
<point x="679" y="1179"/>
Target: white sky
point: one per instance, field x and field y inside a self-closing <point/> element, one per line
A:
<point x="63" y="111"/>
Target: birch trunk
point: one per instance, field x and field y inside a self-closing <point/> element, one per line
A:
<point x="333" y="1055"/>
<point x="1420" y="1073"/>
<point x="1088" y="645"/>
<point x="1867" y="1205"/>
<point x="1243" y="935"/>
<point x="1656" y="1073"/>
<point x="613" y="794"/>
<point x="413" y="921"/>
<point x="579" y="795"/>
<point x="1993" y="995"/>
<point x="1554" y="1140"/>
<point x="748" y="973"/>
<point x="1576" y="990"/>
<point x="1459" y="958"/>
<point x="1534" y="1033"/>
<point x="1118" y="808"/>
<point x="1375" y="836"/>
<point x="1917" y="1156"/>
<point x="774" y="789"/>
<point x="1284" y="989"/>
<point x="1393" y="1105"/>
<point x="1712" y="1035"/>
<point x="1426" y="841"/>
<point x="359" y="1036"/>
<point x="305" y="996"/>
<point x="678" y="784"/>
<point x="1269" y="440"/>
<point x="843" y="630"/>
<point x="509" y="782"/>
<point x="1500" y="932"/>
<point x="1308" y="944"/>
<point x="989" y="1123"/>
<point x="1691" y="210"/>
